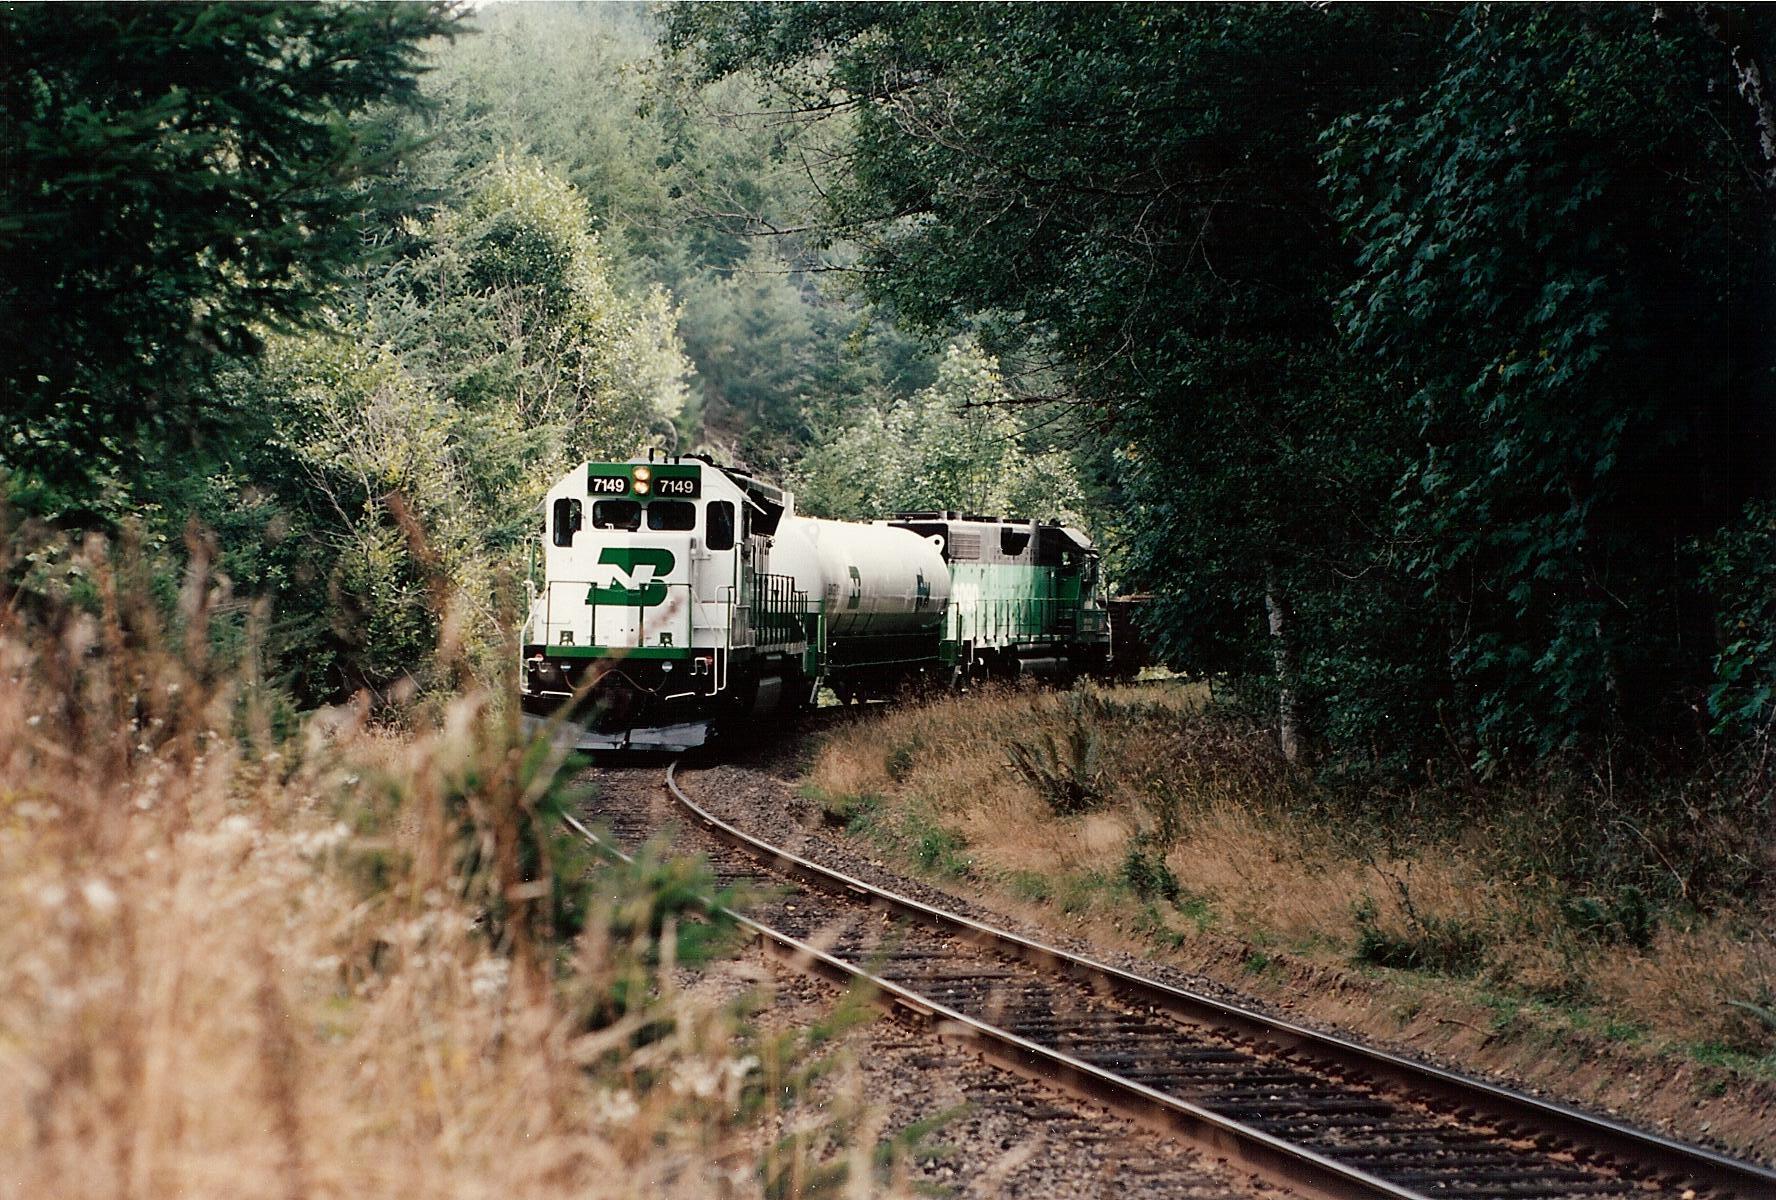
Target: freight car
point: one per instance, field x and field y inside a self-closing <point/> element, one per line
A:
<point x="679" y="601"/>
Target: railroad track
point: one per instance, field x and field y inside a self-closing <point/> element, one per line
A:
<point x="1325" y="1115"/>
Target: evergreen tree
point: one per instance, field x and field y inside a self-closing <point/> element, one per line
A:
<point x="178" y="178"/>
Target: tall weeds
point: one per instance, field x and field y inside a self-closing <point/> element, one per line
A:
<point x="1647" y="896"/>
<point x="247" y="954"/>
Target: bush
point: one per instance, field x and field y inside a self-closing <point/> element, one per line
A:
<point x="1444" y="945"/>
<point x="1625" y="917"/>
<point x="1740" y="571"/>
<point x="852" y="813"/>
<point x="938" y="849"/>
<point x="1147" y="875"/>
<point x="1067" y="767"/>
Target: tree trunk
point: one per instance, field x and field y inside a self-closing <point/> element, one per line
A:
<point x="1738" y="33"/>
<point x="1282" y="651"/>
<point x="1750" y="41"/>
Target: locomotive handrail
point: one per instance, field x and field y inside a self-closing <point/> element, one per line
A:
<point x="681" y="612"/>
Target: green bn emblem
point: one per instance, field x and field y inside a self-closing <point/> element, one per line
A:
<point x="626" y="559"/>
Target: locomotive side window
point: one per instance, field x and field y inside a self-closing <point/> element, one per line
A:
<point x="568" y="515"/>
<point x="672" y="515"/>
<point x="1013" y="542"/>
<point x="616" y="514"/>
<point x="720" y="535"/>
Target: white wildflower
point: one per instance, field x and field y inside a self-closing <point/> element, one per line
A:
<point x="99" y="896"/>
<point x="699" y="1079"/>
<point x="615" y="1107"/>
<point x="488" y="978"/>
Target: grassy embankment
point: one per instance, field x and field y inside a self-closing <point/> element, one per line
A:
<point x="1638" y="917"/>
<point x="334" y="959"/>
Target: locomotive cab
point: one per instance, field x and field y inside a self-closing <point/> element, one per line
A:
<point x="1026" y="597"/>
<point x="657" y="616"/>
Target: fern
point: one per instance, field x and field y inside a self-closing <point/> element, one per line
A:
<point x="1066" y="769"/>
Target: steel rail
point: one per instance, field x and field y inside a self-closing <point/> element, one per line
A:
<point x="1682" y="1164"/>
<point x="1310" y="1173"/>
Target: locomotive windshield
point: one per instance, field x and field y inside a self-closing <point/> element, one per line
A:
<point x="675" y="515"/>
<point x="663" y="515"/>
<point x="616" y="514"/>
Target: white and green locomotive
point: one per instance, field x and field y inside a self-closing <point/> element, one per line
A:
<point x="678" y="600"/>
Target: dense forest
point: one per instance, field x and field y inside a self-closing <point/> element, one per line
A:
<point x="1412" y="366"/>
<point x="1414" y="360"/>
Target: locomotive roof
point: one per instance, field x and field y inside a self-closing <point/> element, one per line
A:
<point x="1072" y="533"/>
<point x="960" y="516"/>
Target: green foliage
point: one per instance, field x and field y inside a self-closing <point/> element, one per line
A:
<point x="409" y="445"/>
<point x="1763" y="1013"/>
<point x="901" y="760"/>
<point x="1147" y="876"/>
<point x="507" y="808"/>
<point x="939" y="850"/>
<point x="371" y="344"/>
<point x="1396" y="323"/>
<point x="779" y="362"/>
<point x="1399" y="324"/>
<point x="637" y="920"/>
<point x="1030" y="886"/>
<point x="952" y="445"/>
<point x="1740" y="572"/>
<point x="178" y="178"/>
<point x="1128" y="194"/>
<point x="1445" y="945"/>
<point x="855" y="814"/>
<point x="683" y="190"/>
<point x="1625" y="917"/>
<point x="1591" y="252"/>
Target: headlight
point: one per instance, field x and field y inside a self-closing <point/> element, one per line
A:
<point x="643" y="474"/>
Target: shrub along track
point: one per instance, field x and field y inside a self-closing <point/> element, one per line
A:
<point x="1328" y="1116"/>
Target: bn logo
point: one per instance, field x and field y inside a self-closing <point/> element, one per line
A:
<point x="628" y="560"/>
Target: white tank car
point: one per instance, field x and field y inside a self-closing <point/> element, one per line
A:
<point x="873" y="580"/>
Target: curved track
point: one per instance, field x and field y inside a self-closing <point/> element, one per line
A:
<point x="1329" y="1116"/>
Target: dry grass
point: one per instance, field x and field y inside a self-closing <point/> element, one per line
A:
<point x="1197" y="831"/>
<point x="330" y="964"/>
